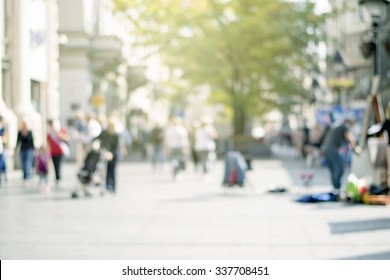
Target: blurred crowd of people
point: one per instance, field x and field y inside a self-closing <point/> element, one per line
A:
<point x="35" y="160"/>
<point x="48" y="158"/>
<point x="177" y="143"/>
<point x="173" y="143"/>
<point x="328" y="145"/>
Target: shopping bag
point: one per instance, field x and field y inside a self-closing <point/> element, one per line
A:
<point x="377" y="150"/>
<point x="65" y="149"/>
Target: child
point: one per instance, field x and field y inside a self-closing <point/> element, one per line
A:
<point x="42" y="168"/>
<point x="3" y="161"/>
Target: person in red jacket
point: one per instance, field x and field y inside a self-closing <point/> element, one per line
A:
<point x="56" y="139"/>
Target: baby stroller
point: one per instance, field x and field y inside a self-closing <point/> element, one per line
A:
<point x="235" y="169"/>
<point x="92" y="173"/>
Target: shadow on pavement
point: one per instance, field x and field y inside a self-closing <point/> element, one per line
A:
<point x="360" y="226"/>
<point x="336" y="205"/>
<point x="212" y="196"/>
<point x="65" y="195"/>
<point x="53" y="198"/>
<point x="18" y="192"/>
<point x="377" y="256"/>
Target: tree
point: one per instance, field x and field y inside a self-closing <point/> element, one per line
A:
<point x="252" y="53"/>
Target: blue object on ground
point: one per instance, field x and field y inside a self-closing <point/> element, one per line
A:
<point x="313" y="198"/>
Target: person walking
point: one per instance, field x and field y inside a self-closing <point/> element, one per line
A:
<point x="3" y="152"/>
<point x="93" y="129"/>
<point x="334" y="139"/>
<point x="205" y="137"/>
<point x="194" y="156"/>
<point x="176" y="144"/>
<point x="57" y="137"/>
<point x="25" y="143"/>
<point x="42" y="168"/>
<point x="305" y="139"/>
<point x="78" y="133"/>
<point x="157" y="142"/>
<point x="109" y="140"/>
<point x="120" y="130"/>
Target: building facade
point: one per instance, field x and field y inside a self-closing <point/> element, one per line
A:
<point x="30" y="71"/>
<point x="346" y="33"/>
<point x="98" y="66"/>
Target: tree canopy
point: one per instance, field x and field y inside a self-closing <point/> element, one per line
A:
<point x="253" y="54"/>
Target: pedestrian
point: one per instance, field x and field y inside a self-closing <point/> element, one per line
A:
<point x="305" y="139"/>
<point x="3" y="152"/>
<point x="156" y="139"/>
<point x="334" y="139"/>
<point x="385" y="127"/>
<point x="120" y="130"/>
<point x="176" y="145"/>
<point x="109" y="140"/>
<point x="92" y="130"/>
<point x="79" y="135"/>
<point x="42" y="168"/>
<point x="102" y="120"/>
<point x="297" y="142"/>
<point x="194" y="156"/>
<point x="313" y="148"/>
<point x="25" y="144"/>
<point x="205" y="137"/>
<point x="57" y="137"/>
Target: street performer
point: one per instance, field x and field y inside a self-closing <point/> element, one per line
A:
<point x="330" y="147"/>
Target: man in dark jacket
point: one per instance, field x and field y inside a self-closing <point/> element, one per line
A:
<point x="109" y="140"/>
<point x="334" y="139"/>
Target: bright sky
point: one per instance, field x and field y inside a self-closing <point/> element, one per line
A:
<point x="322" y="6"/>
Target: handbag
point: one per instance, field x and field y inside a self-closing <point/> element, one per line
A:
<point x="62" y="144"/>
<point x="65" y="149"/>
<point x="377" y="149"/>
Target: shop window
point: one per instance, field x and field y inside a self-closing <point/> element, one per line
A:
<point x="6" y="86"/>
<point x="36" y="95"/>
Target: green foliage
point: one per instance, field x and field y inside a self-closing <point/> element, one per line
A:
<point x="252" y="53"/>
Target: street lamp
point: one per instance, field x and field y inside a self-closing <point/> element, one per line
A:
<point x="375" y="13"/>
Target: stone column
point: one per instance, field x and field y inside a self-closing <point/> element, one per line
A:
<point x="2" y="42"/>
<point x="20" y="56"/>
<point x="53" y="93"/>
<point x="9" y="117"/>
<point x="21" y="67"/>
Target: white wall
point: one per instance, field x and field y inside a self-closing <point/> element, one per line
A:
<point x="71" y="16"/>
<point x="76" y="88"/>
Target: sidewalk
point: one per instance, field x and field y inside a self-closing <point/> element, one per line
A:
<point x="152" y="217"/>
<point x="284" y="151"/>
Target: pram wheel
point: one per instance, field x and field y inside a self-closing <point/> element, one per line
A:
<point x="74" y="195"/>
<point x="87" y="194"/>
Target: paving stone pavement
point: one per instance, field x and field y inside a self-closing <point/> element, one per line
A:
<point x="152" y="217"/>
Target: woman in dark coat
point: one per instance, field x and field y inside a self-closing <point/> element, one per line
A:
<point x="109" y="140"/>
<point x="25" y="141"/>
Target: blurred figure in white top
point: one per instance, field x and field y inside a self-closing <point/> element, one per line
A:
<point x="124" y="136"/>
<point x="205" y="144"/>
<point x="93" y="128"/>
<point x="78" y="134"/>
<point x="176" y="144"/>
